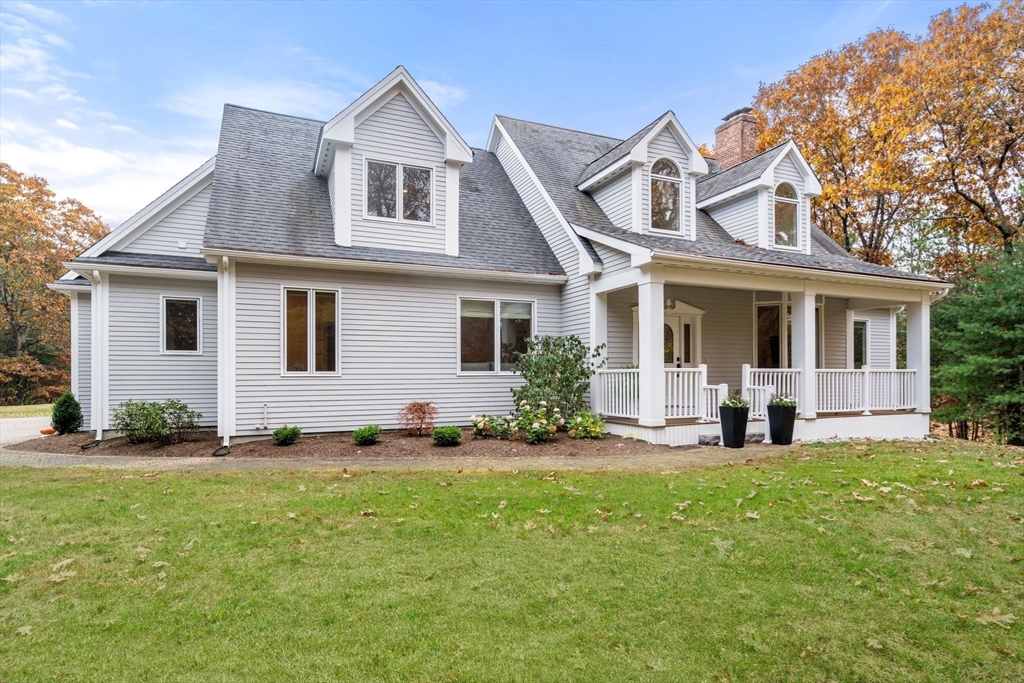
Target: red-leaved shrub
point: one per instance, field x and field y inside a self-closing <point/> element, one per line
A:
<point x="417" y="418"/>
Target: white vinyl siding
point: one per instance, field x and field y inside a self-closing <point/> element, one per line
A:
<point x="616" y="200"/>
<point x="612" y="260"/>
<point x="834" y="344"/>
<point x="881" y="350"/>
<point x="138" y="370"/>
<point x="787" y="171"/>
<point x="739" y="218"/>
<point x="576" y="292"/>
<point x="83" y="361"/>
<point x="398" y="344"/>
<point x="665" y="145"/>
<point x="396" y="133"/>
<point x="186" y="223"/>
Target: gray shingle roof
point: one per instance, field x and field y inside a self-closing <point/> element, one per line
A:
<point x="266" y="199"/>
<point x="124" y="258"/>
<point x="559" y="156"/>
<point x="617" y="152"/>
<point x="734" y="176"/>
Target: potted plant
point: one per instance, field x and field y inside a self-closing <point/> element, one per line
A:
<point x="733" y="415"/>
<point x="781" y="418"/>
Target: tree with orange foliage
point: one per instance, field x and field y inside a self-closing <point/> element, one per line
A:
<point x="38" y="233"/>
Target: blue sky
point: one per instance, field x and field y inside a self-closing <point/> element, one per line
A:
<point x="114" y="102"/>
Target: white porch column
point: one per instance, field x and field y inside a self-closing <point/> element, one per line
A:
<point x="652" y="352"/>
<point x="225" y="349"/>
<point x="804" y="351"/>
<point x="598" y="336"/>
<point x="919" y="357"/>
<point x="100" y="332"/>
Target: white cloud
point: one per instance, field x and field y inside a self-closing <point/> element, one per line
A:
<point x="64" y="123"/>
<point x="122" y="129"/>
<point x="443" y="95"/>
<point x="22" y="93"/>
<point x="39" y="13"/>
<point x="297" y="98"/>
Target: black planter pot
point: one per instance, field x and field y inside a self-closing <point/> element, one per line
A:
<point x="780" y="422"/>
<point x="734" y="426"/>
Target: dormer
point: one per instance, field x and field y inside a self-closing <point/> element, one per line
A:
<point x="392" y="163"/>
<point x="647" y="183"/>
<point x="763" y="200"/>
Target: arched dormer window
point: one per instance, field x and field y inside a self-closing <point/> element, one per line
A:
<point x="786" y="212"/>
<point x="666" y="187"/>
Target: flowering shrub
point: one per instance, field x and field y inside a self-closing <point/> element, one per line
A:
<point x="557" y="370"/>
<point x="586" y="425"/>
<point x="735" y="401"/>
<point x="784" y="401"/>
<point x="501" y="427"/>
<point x="538" y="422"/>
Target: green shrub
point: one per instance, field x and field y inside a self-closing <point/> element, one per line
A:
<point x="147" y="421"/>
<point x="286" y="436"/>
<point x="557" y="371"/>
<point x="447" y="436"/>
<point x="586" y="425"/>
<point x="538" y="422"/>
<point x="501" y="427"/>
<point x="67" y="414"/>
<point x="366" y="436"/>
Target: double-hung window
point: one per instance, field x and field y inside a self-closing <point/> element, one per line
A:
<point x="492" y="332"/>
<point x="181" y="325"/>
<point x="398" y="192"/>
<point x="310" y="331"/>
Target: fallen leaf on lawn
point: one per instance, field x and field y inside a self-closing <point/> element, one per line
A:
<point x="722" y="545"/>
<point x="1002" y="650"/>
<point x="809" y="652"/>
<point x="752" y="494"/>
<point x="884" y="489"/>
<point x="964" y="552"/>
<point x="993" y="541"/>
<point x="302" y="487"/>
<point x="869" y="484"/>
<point x="502" y="504"/>
<point x="141" y="516"/>
<point x="157" y="565"/>
<point x="591" y="529"/>
<point x="24" y="631"/>
<point x="61" y="577"/>
<point x="161" y="576"/>
<point x="366" y="513"/>
<point x="873" y="643"/>
<point x="753" y="515"/>
<point x="677" y="518"/>
<point x="291" y="515"/>
<point x="544" y="511"/>
<point x="134" y="506"/>
<point x="191" y="544"/>
<point x="864" y="499"/>
<point x="495" y="515"/>
<point x="739" y="501"/>
<point x="682" y="506"/>
<point x="529" y="524"/>
<point x="60" y="565"/>
<point x="11" y="578"/>
<point x="828" y="518"/>
<point x="996" y="618"/>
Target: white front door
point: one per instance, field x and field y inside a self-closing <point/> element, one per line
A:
<point x="680" y="341"/>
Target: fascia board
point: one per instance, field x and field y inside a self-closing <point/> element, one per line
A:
<point x="812" y="186"/>
<point x="86" y="270"/>
<point x="732" y="193"/>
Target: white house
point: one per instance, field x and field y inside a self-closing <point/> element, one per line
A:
<point x="325" y="274"/>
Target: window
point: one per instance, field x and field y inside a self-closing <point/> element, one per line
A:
<point x="383" y="200"/>
<point x="484" y="345"/>
<point x="181" y="326"/>
<point x="860" y="344"/>
<point x="769" y="337"/>
<point x="786" y="210"/>
<point x="665" y="196"/>
<point x="310" y="331"/>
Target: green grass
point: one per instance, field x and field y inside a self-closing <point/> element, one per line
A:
<point x="522" y="576"/>
<point x="42" y="410"/>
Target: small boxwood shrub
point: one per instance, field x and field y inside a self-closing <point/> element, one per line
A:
<point x="66" y="417"/>
<point x="447" y="436"/>
<point x="286" y="436"/>
<point x="366" y="436"/>
<point x="586" y="425"/>
<point x="146" y="421"/>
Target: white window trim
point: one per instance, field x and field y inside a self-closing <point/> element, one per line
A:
<point x="399" y="165"/>
<point x="311" y="331"/>
<point x="867" y="342"/>
<point x="651" y="177"/>
<point x="497" y="332"/>
<point x="785" y="361"/>
<point x="798" y="247"/>
<point x="163" y="325"/>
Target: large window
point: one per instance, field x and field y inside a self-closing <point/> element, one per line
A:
<point x="665" y="196"/>
<point x="484" y="345"/>
<point x="860" y="344"/>
<point x="770" y="351"/>
<point x="310" y="331"/>
<point x="394" y="190"/>
<point x="786" y="211"/>
<point x="181" y="327"/>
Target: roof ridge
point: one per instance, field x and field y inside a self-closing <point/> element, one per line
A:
<point x="273" y="113"/>
<point x="719" y="174"/>
<point x="571" y="130"/>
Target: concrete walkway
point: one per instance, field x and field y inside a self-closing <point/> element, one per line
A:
<point x="711" y="455"/>
<point x="18" y="429"/>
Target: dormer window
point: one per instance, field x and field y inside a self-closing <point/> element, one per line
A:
<point x="665" y="195"/>
<point x="785" y="216"/>
<point x="383" y="200"/>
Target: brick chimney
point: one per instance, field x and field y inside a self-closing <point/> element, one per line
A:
<point x="735" y="139"/>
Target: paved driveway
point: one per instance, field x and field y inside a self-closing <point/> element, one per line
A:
<point x="15" y="429"/>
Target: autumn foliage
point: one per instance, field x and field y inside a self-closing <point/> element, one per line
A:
<point x="417" y="418"/>
<point x="918" y="141"/>
<point x="38" y="232"/>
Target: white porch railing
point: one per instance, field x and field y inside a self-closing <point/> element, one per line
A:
<point x="891" y="390"/>
<point x="619" y="392"/>
<point x="865" y="390"/>
<point x="841" y="391"/>
<point x="713" y="395"/>
<point x="683" y="392"/>
<point x="786" y="382"/>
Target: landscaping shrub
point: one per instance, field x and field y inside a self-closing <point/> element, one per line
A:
<point x="417" y="418"/>
<point x="366" y="436"/>
<point x="501" y="427"/>
<point x="447" y="436"/>
<point x="586" y="425"/>
<point x="538" y="422"/>
<point x="286" y="436"/>
<point x="147" y="421"/>
<point x="66" y="417"/>
<point x="557" y="371"/>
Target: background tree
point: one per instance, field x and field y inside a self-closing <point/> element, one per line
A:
<point x="38" y="232"/>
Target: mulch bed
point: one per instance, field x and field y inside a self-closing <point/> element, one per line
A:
<point x="392" y="445"/>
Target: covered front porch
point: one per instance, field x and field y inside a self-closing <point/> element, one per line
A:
<point x="680" y="339"/>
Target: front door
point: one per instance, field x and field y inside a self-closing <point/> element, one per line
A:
<point x="680" y="341"/>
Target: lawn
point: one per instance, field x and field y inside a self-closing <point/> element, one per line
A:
<point x="41" y="410"/>
<point x="833" y="562"/>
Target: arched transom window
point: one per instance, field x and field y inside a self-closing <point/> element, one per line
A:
<point x="665" y="195"/>
<point x="786" y="212"/>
